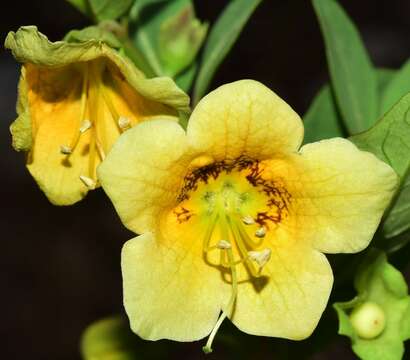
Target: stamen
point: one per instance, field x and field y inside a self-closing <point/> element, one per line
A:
<point x="224" y="245"/>
<point x="239" y="235"/>
<point x="248" y="220"/>
<point x="100" y="149"/>
<point x="90" y="183"/>
<point x="208" y="235"/>
<point x="124" y="123"/>
<point x="261" y="232"/>
<point x="86" y="124"/>
<point x="230" y="307"/>
<point x="66" y="150"/>
<point x="260" y="257"/>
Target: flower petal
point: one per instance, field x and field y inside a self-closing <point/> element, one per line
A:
<point x="344" y="192"/>
<point x="290" y="300"/>
<point x="169" y="291"/>
<point x="54" y="123"/>
<point x="244" y="118"/>
<point x="28" y="45"/>
<point x="143" y="172"/>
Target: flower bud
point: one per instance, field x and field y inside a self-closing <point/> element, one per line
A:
<point x="368" y="320"/>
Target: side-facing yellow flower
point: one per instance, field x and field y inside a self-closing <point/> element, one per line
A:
<point x="74" y="101"/>
<point x="235" y="217"/>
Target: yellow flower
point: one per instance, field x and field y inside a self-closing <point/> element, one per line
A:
<point x="74" y="101"/>
<point x="235" y="217"/>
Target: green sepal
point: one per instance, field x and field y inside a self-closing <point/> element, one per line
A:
<point x="28" y="45"/>
<point x="109" y="339"/>
<point x="167" y="54"/>
<point x="180" y="38"/>
<point x="95" y="32"/>
<point x="379" y="282"/>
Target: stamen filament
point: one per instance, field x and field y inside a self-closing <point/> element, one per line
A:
<point x="208" y="235"/>
<point x="251" y="243"/>
<point x="239" y="240"/>
<point x="121" y="121"/>
<point x="208" y="347"/>
<point x="91" y="160"/>
<point x="100" y="149"/>
<point x="67" y="150"/>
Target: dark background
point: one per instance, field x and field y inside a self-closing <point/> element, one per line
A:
<point x="60" y="265"/>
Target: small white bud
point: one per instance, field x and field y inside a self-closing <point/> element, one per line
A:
<point x="223" y="244"/>
<point x="261" y="232"/>
<point x="64" y="149"/>
<point x="86" y="124"/>
<point x="260" y="257"/>
<point x="90" y="183"/>
<point x="124" y="123"/>
<point x="248" y="220"/>
<point x="368" y="320"/>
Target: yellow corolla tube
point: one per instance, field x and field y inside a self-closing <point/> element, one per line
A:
<point x="74" y="101"/>
<point x="235" y="217"/>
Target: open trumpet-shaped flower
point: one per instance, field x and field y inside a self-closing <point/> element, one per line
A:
<point x="235" y="218"/>
<point x="74" y="102"/>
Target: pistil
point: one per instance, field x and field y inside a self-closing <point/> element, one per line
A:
<point x="224" y="212"/>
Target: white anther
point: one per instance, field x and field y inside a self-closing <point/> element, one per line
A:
<point x="261" y="232"/>
<point x="248" y="220"/>
<point x="90" y="183"/>
<point x="260" y="257"/>
<point x="66" y="149"/>
<point x="223" y="244"/>
<point x="124" y="123"/>
<point x="86" y="124"/>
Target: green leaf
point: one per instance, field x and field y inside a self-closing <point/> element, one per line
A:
<point x="322" y="120"/>
<point x="379" y="283"/>
<point x="397" y="87"/>
<point x="353" y="78"/>
<point x="139" y="6"/>
<point x="221" y="38"/>
<point x="186" y="78"/>
<point x="389" y="140"/>
<point x="109" y="9"/>
<point x="109" y="339"/>
<point x="81" y="5"/>
<point x="398" y="218"/>
<point x="180" y="38"/>
<point x="384" y="76"/>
